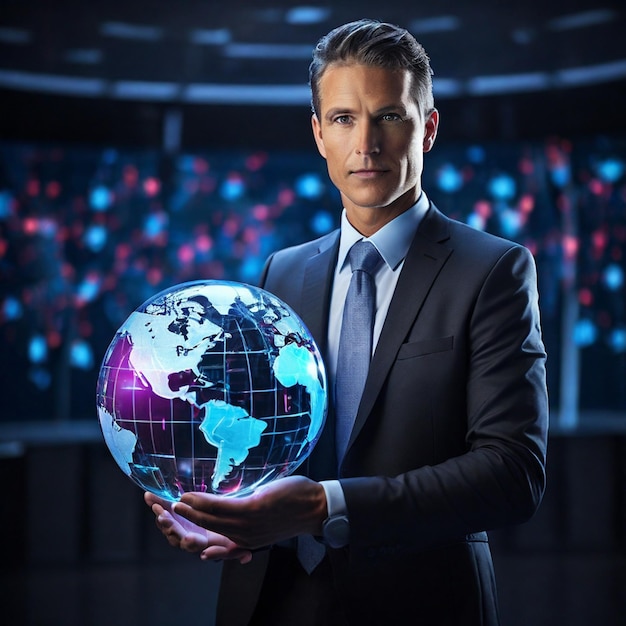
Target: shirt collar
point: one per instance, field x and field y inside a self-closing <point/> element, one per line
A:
<point x="392" y="241"/>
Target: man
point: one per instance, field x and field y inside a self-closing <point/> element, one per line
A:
<point x="449" y="438"/>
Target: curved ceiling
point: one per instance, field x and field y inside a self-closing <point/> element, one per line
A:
<point x="496" y="66"/>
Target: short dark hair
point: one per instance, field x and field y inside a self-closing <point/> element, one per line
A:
<point x="377" y="44"/>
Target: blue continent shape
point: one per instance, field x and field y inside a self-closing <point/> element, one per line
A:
<point x="120" y="441"/>
<point x="296" y="365"/>
<point x="233" y="432"/>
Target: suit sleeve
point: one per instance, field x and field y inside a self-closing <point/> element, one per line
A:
<point x="499" y="478"/>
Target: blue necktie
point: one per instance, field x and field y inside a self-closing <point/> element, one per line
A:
<point x="355" y="351"/>
<point x="355" y="341"/>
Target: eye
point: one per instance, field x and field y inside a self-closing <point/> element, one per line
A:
<point x="342" y="119"/>
<point x="391" y="117"/>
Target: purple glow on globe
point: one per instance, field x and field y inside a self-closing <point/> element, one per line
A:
<point x="211" y="386"/>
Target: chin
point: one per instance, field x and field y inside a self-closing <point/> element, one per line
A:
<point x="375" y="203"/>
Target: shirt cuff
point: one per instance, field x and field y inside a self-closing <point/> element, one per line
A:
<point x="335" y="499"/>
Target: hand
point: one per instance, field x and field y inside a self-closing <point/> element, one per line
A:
<point x="183" y="534"/>
<point x="280" y="510"/>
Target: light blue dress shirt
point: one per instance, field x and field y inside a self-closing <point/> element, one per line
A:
<point x="392" y="242"/>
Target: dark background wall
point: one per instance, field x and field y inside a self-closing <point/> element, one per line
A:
<point x="81" y="548"/>
<point x="166" y="125"/>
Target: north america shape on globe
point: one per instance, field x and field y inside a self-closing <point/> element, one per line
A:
<point x="217" y="363"/>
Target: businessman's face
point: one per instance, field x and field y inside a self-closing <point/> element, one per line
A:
<point x="372" y="134"/>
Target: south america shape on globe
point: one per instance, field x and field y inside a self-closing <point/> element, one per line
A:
<point x="219" y="360"/>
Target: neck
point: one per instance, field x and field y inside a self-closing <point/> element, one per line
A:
<point x="368" y="220"/>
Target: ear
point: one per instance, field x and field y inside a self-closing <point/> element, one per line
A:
<point x="430" y="130"/>
<point x="317" y="134"/>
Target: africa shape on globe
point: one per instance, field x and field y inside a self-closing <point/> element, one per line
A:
<point x="211" y="386"/>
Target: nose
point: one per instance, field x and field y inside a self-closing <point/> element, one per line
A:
<point x="368" y="138"/>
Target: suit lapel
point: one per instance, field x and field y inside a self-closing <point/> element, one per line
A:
<point x="314" y="309"/>
<point x="317" y="284"/>
<point x="424" y="260"/>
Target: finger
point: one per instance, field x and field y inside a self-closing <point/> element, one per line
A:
<point x="151" y="499"/>
<point x="222" y="553"/>
<point x="217" y="506"/>
<point x="193" y="542"/>
<point x="246" y="557"/>
<point x="158" y="510"/>
<point x="201" y="517"/>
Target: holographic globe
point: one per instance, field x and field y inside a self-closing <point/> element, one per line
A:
<point x="211" y="386"/>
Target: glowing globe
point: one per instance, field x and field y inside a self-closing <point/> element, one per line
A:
<point x="211" y="386"/>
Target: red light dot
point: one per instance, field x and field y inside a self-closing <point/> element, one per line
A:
<point x="53" y="189"/>
<point x="599" y="238"/>
<point x="151" y="186"/>
<point x="33" y="187"/>
<point x="596" y="187"/>
<point x="200" y="166"/>
<point x="526" y="166"/>
<point x="286" y="197"/>
<point x="203" y="243"/>
<point x="570" y="246"/>
<point x="585" y="297"/>
<point x="185" y="254"/>
<point x="527" y="203"/>
<point x="130" y="175"/>
<point x="53" y="338"/>
<point x="483" y="209"/>
<point x="256" y="161"/>
<point x="260" y="212"/>
<point x="154" y="276"/>
<point x="31" y="226"/>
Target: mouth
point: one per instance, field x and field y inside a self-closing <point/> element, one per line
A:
<point x="368" y="173"/>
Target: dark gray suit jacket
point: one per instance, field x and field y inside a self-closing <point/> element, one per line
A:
<point x="450" y="437"/>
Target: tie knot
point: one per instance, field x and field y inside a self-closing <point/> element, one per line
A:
<point x="364" y="256"/>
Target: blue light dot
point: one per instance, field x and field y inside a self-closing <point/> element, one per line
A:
<point x="6" y="203"/>
<point x="186" y="163"/>
<point x="306" y="15"/>
<point x="250" y="269"/>
<point x="37" y="349"/>
<point x="610" y="170"/>
<point x="100" y="198"/>
<point x="232" y="189"/>
<point x="560" y="176"/>
<point x="449" y="178"/>
<point x="95" y="237"/>
<point x="613" y="277"/>
<point x="154" y="225"/>
<point x="322" y="222"/>
<point x="617" y="340"/>
<point x="12" y="308"/>
<point x="309" y="186"/>
<point x="502" y="187"/>
<point x="81" y="355"/>
<point x="40" y="377"/>
<point x="87" y="290"/>
<point x="109" y="156"/>
<point x="476" y="221"/>
<point x="476" y="154"/>
<point x="585" y="333"/>
<point x="510" y="222"/>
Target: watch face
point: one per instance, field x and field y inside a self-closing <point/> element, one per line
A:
<point x="336" y="531"/>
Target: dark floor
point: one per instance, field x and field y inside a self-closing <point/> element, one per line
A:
<point x="80" y="548"/>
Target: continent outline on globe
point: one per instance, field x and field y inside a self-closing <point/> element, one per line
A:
<point x="212" y="386"/>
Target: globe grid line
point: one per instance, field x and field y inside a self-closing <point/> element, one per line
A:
<point x="237" y="365"/>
